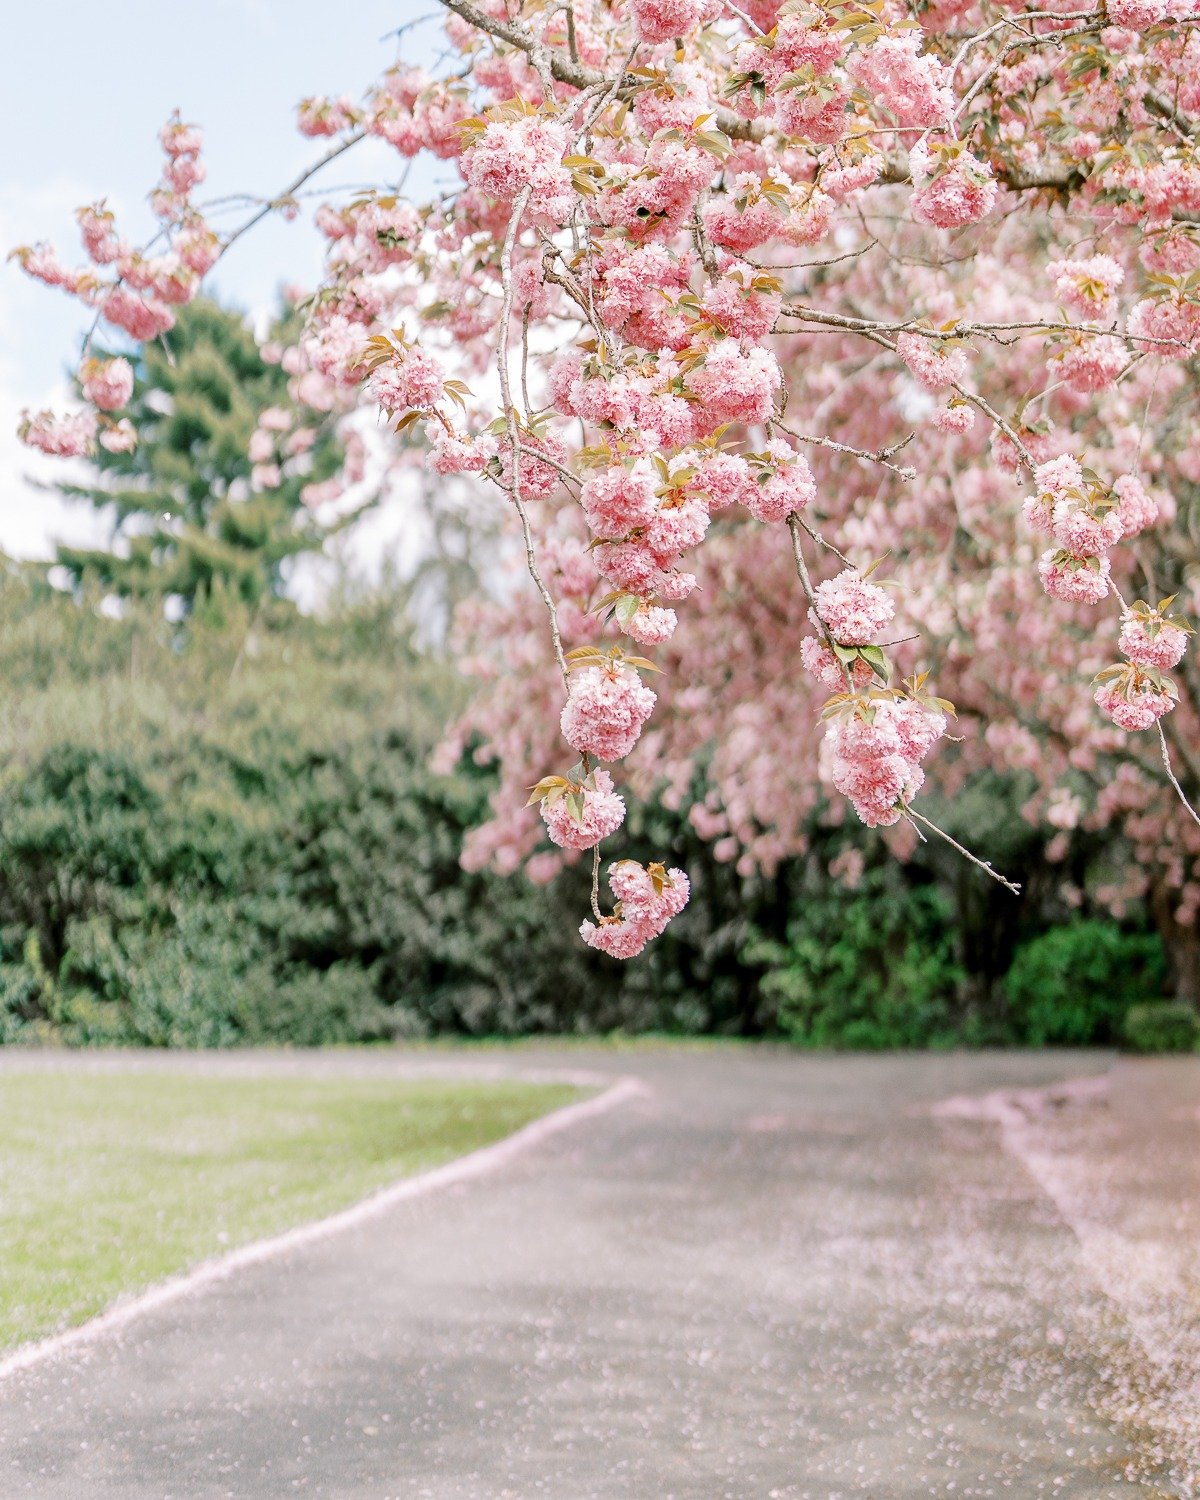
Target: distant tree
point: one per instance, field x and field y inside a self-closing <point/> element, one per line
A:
<point x="194" y="516"/>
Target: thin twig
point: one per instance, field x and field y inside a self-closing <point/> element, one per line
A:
<point x="1172" y="778"/>
<point x="966" y="853"/>
<point x="292" y="188"/>
<point x="880" y="457"/>
<point x="510" y="414"/>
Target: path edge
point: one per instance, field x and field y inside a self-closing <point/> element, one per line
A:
<point x="218" y="1267"/>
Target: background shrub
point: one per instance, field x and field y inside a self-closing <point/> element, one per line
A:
<point x="1073" y="984"/>
<point x="1162" y="1026"/>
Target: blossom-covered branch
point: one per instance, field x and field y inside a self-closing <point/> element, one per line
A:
<point x="1006" y="204"/>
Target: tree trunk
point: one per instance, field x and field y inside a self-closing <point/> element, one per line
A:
<point x="1182" y="946"/>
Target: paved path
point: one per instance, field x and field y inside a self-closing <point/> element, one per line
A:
<point x="766" y="1275"/>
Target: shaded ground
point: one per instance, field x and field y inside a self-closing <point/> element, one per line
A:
<point x="770" y="1275"/>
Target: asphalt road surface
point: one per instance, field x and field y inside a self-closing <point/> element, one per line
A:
<point x="764" y="1275"/>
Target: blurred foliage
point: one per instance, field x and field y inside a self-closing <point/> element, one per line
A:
<point x="867" y="967"/>
<point x="1073" y="984"/>
<point x="1162" y="1026"/>
<point x="230" y="834"/>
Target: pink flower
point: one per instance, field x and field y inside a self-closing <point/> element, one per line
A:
<point x="1151" y="641"/>
<point x="1132" y="702"/>
<point x="949" y="190"/>
<point x="735" y="385"/>
<point x="725" y="478"/>
<point x="647" y="899"/>
<point x="121" y="437"/>
<point x="183" y="173"/>
<point x="99" y="239"/>
<point x="852" y="610"/>
<point x="651" y="625"/>
<point x="321" y="116"/>
<point x="1170" y="319"/>
<point x="1087" y="287"/>
<point x="616" y="500"/>
<point x="178" y="139"/>
<point x="786" y="486"/>
<point x="414" y="382"/>
<point x="323" y="493"/>
<point x="1136" y="510"/>
<point x="142" y="317"/>
<point x="933" y="364"/>
<point x="198" y="248"/>
<point x="955" y="419"/>
<point x="538" y="480"/>
<point x="913" y="88"/>
<point x="1137" y="15"/>
<point x="818" y="659"/>
<point x="1078" y="529"/>
<point x="512" y="155"/>
<point x="459" y="454"/>
<point x="41" y="262"/>
<point x="68" y="436"/>
<point x="679" y="523"/>
<point x="817" y="117"/>
<point x="604" y="714"/>
<point x="919" y="728"/>
<point x="876" y="759"/>
<point x="1074" y="580"/>
<point x="1093" y="364"/>
<point x="1057" y="480"/>
<point x="662" y="20"/>
<point x="603" y="813"/>
<point x="265" y="477"/>
<point x="107" y="384"/>
<point x="631" y="566"/>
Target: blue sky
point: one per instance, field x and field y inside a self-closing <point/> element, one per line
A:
<point x="83" y="90"/>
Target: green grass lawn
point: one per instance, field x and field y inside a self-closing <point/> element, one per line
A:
<point x="111" y="1181"/>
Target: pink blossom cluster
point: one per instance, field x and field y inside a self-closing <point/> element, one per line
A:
<point x="1090" y="364"/>
<point x="183" y="169"/>
<point x="414" y="112"/>
<point x="1089" y="286"/>
<point x="819" y="660"/>
<point x="852" y="610"/>
<point x="1150" y="639"/>
<point x="320" y="116"/>
<point x="525" y="153"/>
<point x="107" y="384"/>
<point x="69" y="436"/>
<point x="602" y="814"/>
<point x="605" y="711"/>
<point x="131" y="290"/>
<point x="1133" y="700"/>
<point x="663" y="20"/>
<point x="412" y="381"/>
<point x="877" y="755"/>
<point x="647" y="899"/>
<point x="615" y="501"/>
<point x="910" y="85"/>
<point x="933" y="363"/>
<point x="1084" y="521"/>
<point x="783" y="485"/>
<point x="949" y="191"/>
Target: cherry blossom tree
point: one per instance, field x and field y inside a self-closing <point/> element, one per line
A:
<point x="739" y="308"/>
